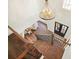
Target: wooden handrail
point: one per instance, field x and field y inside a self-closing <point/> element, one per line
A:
<point x="18" y="35"/>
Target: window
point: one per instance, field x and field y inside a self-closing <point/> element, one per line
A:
<point x="67" y="4"/>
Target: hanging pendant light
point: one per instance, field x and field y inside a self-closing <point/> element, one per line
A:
<point x="47" y="13"/>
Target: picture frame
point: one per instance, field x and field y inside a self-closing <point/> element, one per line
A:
<point x="60" y="29"/>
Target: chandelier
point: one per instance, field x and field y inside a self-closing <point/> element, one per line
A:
<point x="47" y="13"/>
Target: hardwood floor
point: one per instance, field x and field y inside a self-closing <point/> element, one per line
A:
<point x="19" y="50"/>
<point x="54" y="51"/>
<point x="50" y="51"/>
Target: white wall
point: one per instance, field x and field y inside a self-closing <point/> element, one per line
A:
<point x="67" y="53"/>
<point x="23" y="13"/>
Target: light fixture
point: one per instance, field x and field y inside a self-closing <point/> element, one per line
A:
<point x="47" y="13"/>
